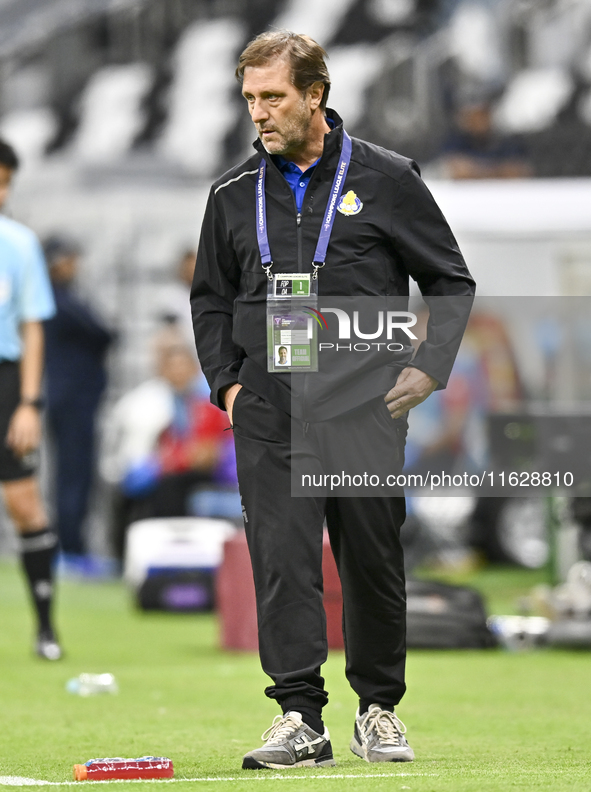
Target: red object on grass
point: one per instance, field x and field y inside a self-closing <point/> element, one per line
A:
<point x="236" y="599"/>
<point x="109" y="769"/>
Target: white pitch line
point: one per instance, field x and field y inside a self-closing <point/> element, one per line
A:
<point x="22" y="781"/>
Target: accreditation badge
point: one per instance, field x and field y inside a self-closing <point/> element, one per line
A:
<point x="291" y="327"/>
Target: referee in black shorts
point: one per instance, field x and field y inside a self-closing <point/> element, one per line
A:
<point x="25" y="301"/>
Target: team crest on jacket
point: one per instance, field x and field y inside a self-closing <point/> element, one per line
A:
<point x="350" y="204"/>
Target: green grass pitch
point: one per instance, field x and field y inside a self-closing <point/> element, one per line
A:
<point x="477" y="721"/>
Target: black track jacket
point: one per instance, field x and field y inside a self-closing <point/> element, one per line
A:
<point x="399" y="232"/>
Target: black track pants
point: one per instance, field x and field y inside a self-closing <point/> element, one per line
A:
<point x="284" y="536"/>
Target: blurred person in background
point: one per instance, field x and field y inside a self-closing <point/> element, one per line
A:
<point x="25" y="301"/>
<point x="165" y="439"/>
<point x="449" y="429"/>
<point x="475" y="150"/>
<point x="76" y="341"/>
<point x="449" y="432"/>
<point x="174" y="304"/>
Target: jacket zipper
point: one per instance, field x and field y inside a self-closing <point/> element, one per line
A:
<point x="301" y="269"/>
<point x="299" y="242"/>
<point x="300" y="263"/>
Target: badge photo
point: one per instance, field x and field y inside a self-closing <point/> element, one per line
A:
<point x="283" y="355"/>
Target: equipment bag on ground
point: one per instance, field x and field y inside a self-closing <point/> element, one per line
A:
<point x="440" y="616"/>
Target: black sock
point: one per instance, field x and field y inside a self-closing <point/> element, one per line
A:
<point x="364" y="705"/>
<point x="37" y="551"/>
<point x="311" y="716"/>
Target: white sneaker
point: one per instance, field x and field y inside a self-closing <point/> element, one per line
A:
<point x="379" y="737"/>
<point x="289" y="742"/>
<point x="47" y="646"/>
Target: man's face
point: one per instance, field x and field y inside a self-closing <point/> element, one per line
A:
<point x="476" y="119"/>
<point x="280" y="113"/>
<point x="5" y="180"/>
<point x="178" y="367"/>
<point x="187" y="268"/>
<point x="283" y="355"/>
<point x="64" y="269"/>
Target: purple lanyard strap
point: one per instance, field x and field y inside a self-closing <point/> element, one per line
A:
<point x="329" y="215"/>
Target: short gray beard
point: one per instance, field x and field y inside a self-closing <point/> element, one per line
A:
<point x="294" y="134"/>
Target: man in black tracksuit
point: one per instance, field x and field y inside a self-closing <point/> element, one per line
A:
<point x="387" y="229"/>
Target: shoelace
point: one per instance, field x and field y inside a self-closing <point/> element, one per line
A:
<point x="282" y="727"/>
<point x="387" y="725"/>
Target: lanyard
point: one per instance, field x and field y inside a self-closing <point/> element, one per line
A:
<point x="329" y="214"/>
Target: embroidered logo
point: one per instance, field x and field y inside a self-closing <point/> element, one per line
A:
<point x="350" y="204"/>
